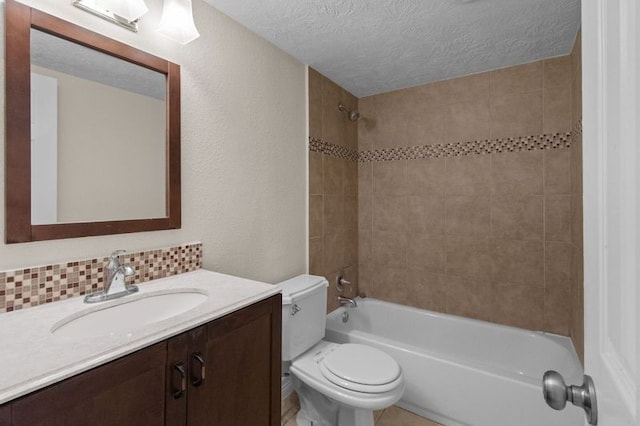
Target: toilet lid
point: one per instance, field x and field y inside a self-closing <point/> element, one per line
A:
<point x="361" y="367"/>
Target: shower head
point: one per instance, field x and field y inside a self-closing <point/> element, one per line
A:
<point x="352" y="114"/>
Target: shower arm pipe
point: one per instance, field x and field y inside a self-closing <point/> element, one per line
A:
<point x="351" y="114"/>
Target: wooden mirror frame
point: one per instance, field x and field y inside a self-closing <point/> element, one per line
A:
<point x="19" y="19"/>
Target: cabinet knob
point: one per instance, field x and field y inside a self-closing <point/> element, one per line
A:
<point x="198" y="373"/>
<point x="178" y="367"/>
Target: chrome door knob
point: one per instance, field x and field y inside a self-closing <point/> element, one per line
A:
<point x="557" y="393"/>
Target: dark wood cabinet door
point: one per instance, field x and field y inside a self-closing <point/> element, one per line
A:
<point x="128" y="391"/>
<point x="5" y="415"/>
<point x="241" y="357"/>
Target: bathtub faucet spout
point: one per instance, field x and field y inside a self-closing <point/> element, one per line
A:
<point x="347" y="301"/>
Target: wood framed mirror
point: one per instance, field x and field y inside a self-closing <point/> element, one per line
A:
<point x="92" y="133"/>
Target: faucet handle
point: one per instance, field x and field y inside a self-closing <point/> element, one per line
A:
<point x="341" y="283"/>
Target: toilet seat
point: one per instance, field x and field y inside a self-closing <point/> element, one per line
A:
<point x="360" y="368"/>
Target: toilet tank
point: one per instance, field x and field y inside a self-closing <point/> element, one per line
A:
<point x="304" y="313"/>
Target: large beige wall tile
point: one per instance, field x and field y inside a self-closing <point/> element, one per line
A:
<point x="468" y="215"/>
<point x="518" y="305"/>
<point x="426" y="251"/>
<point x="469" y="297"/>
<point x="316" y="210"/>
<point x="469" y="257"/>
<point x="365" y="246"/>
<point x="350" y="210"/>
<point x="517" y="173"/>
<point x="557" y="310"/>
<point x="315" y="104"/>
<point x="516" y="114"/>
<point x="385" y="124"/>
<point x="334" y="243"/>
<point x="557" y="171"/>
<point x="315" y="173"/>
<point x="517" y="262"/>
<point x="389" y="249"/>
<point x="333" y="175"/>
<point x="365" y="178"/>
<point x="426" y="214"/>
<point x="557" y="72"/>
<point x="468" y="121"/>
<point x="332" y="119"/>
<point x="349" y="128"/>
<point x="316" y="256"/>
<point x="350" y="185"/>
<point x="517" y="217"/>
<point x="426" y="176"/>
<point x="518" y="79"/>
<point x="365" y="212"/>
<point x="426" y="125"/>
<point x="429" y="289"/>
<point x="557" y="218"/>
<point x="390" y="283"/>
<point x="350" y="248"/>
<point x="469" y="88"/>
<point x="557" y="110"/>
<point x="333" y="213"/>
<point x="390" y="177"/>
<point x="468" y="175"/>
<point x="366" y="124"/>
<point x="390" y="213"/>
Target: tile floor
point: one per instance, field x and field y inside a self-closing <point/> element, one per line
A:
<point x="396" y="416"/>
<point x="392" y="416"/>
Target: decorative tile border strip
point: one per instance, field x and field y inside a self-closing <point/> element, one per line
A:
<point x="333" y="150"/>
<point x="577" y="129"/>
<point x="456" y="149"/>
<point x="29" y="287"/>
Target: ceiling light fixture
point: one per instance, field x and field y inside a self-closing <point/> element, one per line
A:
<point x="177" y="21"/>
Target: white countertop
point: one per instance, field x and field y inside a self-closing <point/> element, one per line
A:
<point x="31" y="357"/>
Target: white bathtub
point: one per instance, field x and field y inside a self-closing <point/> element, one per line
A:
<point x="461" y="371"/>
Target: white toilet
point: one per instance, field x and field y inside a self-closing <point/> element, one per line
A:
<point x="337" y="384"/>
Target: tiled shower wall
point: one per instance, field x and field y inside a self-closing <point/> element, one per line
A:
<point x="333" y="180"/>
<point x="479" y="232"/>
<point x="577" y="277"/>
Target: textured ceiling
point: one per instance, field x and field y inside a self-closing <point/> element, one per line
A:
<point x="60" y="55"/>
<point x="375" y="46"/>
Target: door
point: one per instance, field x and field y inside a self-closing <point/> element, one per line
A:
<point x="611" y="123"/>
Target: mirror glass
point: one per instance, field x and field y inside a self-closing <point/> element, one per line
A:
<point x="98" y="135"/>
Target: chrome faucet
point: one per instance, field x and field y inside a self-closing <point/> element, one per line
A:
<point x="347" y="301"/>
<point x="114" y="281"/>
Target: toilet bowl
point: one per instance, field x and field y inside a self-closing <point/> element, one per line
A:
<point x="337" y="384"/>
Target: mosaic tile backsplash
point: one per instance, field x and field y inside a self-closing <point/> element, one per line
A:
<point x="29" y="287"/>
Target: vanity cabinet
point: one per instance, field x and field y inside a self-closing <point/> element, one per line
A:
<point x="226" y="372"/>
<point x="232" y="378"/>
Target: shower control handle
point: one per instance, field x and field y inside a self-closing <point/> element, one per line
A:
<point x="341" y="283"/>
<point x="557" y="393"/>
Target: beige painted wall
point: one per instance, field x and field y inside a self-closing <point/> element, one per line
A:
<point x="111" y="151"/>
<point x="243" y="150"/>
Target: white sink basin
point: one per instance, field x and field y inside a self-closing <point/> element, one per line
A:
<point x="128" y="313"/>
